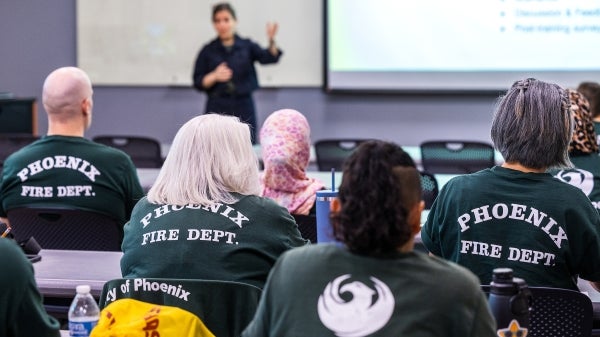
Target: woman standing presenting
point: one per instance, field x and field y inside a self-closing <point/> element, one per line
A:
<point x="225" y="67"/>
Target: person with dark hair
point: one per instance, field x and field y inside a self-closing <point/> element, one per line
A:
<point x="22" y="310"/>
<point x="373" y="283"/>
<point x="591" y="91"/>
<point x="517" y="215"/>
<point x="583" y="151"/>
<point x="224" y="67"/>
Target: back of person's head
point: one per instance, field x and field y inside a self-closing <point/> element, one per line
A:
<point x="66" y="93"/>
<point x="591" y="91"/>
<point x="211" y="157"/>
<point x="380" y="186"/>
<point x="532" y="125"/>
<point x="583" y="140"/>
<point x="285" y="141"/>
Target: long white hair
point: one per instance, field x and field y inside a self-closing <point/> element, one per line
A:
<point x="211" y="157"/>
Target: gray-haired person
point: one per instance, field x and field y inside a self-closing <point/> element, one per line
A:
<point x="203" y="218"/>
<point x="516" y="215"/>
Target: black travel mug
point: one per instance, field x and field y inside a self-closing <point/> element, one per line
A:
<point x="510" y="299"/>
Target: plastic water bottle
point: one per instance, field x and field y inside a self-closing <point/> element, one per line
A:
<point x="510" y="299"/>
<point x="83" y="313"/>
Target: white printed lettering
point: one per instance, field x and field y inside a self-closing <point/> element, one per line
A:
<point x="500" y="211"/>
<point x="37" y="191"/>
<point x="525" y="255"/>
<point x="59" y="161"/>
<point x="481" y="214"/>
<point x="518" y="212"/>
<point x="462" y="221"/>
<point x="480" y="248"/>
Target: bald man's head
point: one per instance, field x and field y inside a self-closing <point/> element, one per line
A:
<point x="67" y="95"/>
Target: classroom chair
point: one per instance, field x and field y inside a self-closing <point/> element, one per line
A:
<point x="331" y="153"/>
<point x="12" y="142"/>
<point x="429" y="186"/>
<point x="456" y="156"/>
<point x="225" y="307"/>
<point x="145" y="152"/>
<point x="558" y="312"/>
<point x="307" y="225"/>
<point x="63" y="228"/>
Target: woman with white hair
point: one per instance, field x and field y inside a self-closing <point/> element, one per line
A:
<point x="203" y="218"/>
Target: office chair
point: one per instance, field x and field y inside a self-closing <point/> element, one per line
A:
<point x="18" y="115"/>
<point x="331" y="153"/>
<point x="430" y="188"/>
<point x="456" y="157"/>
<point x="558" y="312"/>
<point x="60" y="228"/>
<point x="307" y="225"/>
<point x="145" y="152"/>
<point x="225" y="307"/>
<point x="11" y="142"/>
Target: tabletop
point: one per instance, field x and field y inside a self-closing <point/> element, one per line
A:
<point x="59" y="272"/>
<point x="147" y="176"/>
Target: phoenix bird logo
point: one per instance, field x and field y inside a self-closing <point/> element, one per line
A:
<point x="367" y="311"/>
<point x="579" y="178"/>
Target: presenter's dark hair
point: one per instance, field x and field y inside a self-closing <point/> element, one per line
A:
<point x="532" y="125"/>
<point x="223" y="6"/>
<point x="375" y="197"/>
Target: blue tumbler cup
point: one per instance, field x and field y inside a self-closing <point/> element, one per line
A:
<point x="324" y="230"/>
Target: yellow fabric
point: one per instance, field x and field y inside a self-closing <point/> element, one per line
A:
<point x="132" y="318"/>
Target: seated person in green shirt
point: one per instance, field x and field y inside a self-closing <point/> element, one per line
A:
<point x="583" y="151"/>
<point x="203" y="218"/>
<point x="22" y="312"/>
<point x="372" y="283"/>
<point x="517" y="215"/>
<point x="64" y="169"/>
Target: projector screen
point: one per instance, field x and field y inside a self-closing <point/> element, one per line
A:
<point x="460" y="45"/>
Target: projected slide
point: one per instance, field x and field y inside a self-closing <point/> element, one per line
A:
<point x="460" y="44"/>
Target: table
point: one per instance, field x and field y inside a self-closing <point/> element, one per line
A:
<point x="147" y="177"/>
<point x="413" y="151"/>
<point x="60" y="271"/>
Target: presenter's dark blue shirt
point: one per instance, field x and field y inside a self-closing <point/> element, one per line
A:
<point x="240" y="58"/>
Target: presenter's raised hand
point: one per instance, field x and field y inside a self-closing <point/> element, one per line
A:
<point x="272" y="30"/>
<point x="223" y="73"/>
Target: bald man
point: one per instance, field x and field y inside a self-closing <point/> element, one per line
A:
<point x="64" y="169"/>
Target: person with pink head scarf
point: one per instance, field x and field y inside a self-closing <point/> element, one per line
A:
<point x="285" y="145"/>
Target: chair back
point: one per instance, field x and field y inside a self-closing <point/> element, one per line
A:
<point x="225" y="307"/>
<point x="558" y="312"/>
<point x="430" y="188"/>
<point x="331" y="153"/>
<point x="145" y="152"/>
<point x="58" y="228"/>
<point x="307" y="225"/>
<point x="456" y="157"/>
<point x="11" y="142"/>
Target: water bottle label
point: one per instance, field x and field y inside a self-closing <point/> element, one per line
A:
<point x="81" y="329"/>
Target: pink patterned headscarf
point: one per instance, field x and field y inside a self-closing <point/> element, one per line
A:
<point x="285" y="147"/>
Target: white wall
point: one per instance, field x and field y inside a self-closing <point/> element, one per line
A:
<point x="38" y="37"/>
